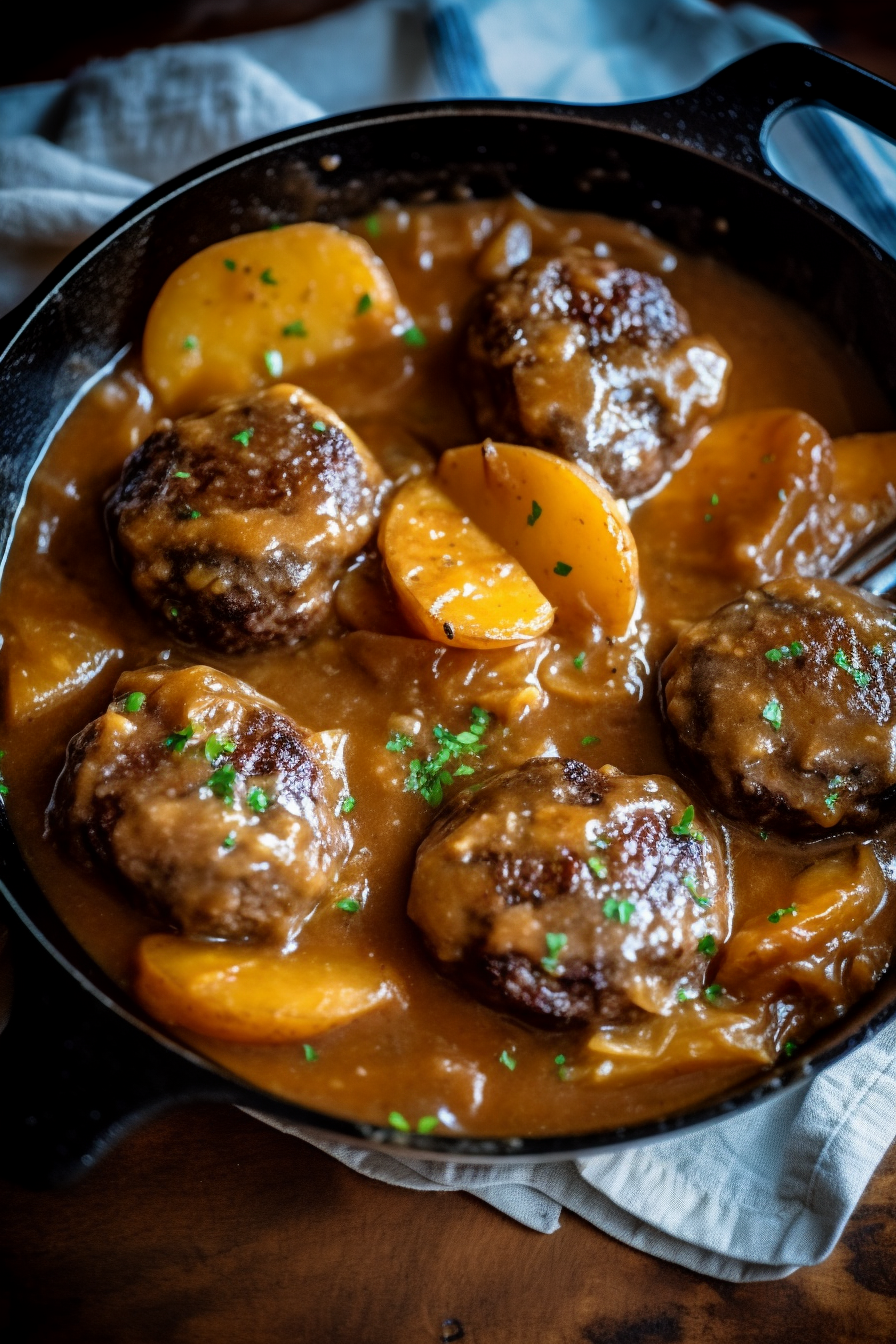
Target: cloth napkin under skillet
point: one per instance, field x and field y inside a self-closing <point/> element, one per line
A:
<point x="754" y="1197"/>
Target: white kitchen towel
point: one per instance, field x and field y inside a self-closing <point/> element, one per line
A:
<point x="748" y="1198"/>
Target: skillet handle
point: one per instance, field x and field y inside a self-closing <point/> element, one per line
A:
<point x="74" y="1077"/>
<point x="731" y="115"/>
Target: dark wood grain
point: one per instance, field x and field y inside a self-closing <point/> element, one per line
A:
<point x="209" y="1228"/>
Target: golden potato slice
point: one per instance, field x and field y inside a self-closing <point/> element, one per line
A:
<point x="697" y="1036"/>
<point x="264" y="307"/>
<point x="864" y="491"/>
<point x="454" y="584"/>
<point x="566" y="530"/>
<point x="47" y="660"/>
<point x="254" y="995"/>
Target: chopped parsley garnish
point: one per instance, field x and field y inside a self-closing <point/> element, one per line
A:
<point x="173" y="613"/>
<point x="229" y="265"/>
<point x="790" y="1049"/>
<point x="135" y="702"/>
<point x="181" y="475"/>
<point x="713" y="499"/>
<point x="256" y="798"/>
<point x="794" y="650"/>
<point x="877" y="651"/>
<point x="4" y="788"/>
<point x="214" y="748"/>
<point x="296" y="328"/>
<point x="348" y="805"/>
<point x="413" y="336"/>
<point x="713" y="992"/>
<point x="271" y="227"/>
<point x="507" y="1060"/>
<point x="266" y="277"/>
<point x="399" y="742"/>
<point x="273" y="362"/>
<point x="860" y="678"/>
<point x="464" y="770"/>
<point x="427" y="1123"/>
<point x="763" y="835"/>
<point x="682" y="996"/>
<point x="590" y="740"/>
<point x="773" y="714"/>
<point x="177" y="740"/>
<point x="319" y="426"/>
<point x="579" y="661"/>
<point x="708" y="946"/>
<point x="556" y="943"/>
<point x="310" y="1053"/>
<point x="777" y="915"/>
<point x="229" y="840"/>
<point x="685" y="826"/>
<point x="619" y="910"/>
<point x="365" y="303"/>
<point x="190" y="343"/>
<point x="430" y="776"/>
<point x="562" y="1070"/>
<point x="372" y="225"/>
<point x="562" y="568"/>
<point x="349" y="905"/>
<point x="689" y="881"/>
<point x="193" y="514"/>
<point x="243" y="437"/>
<point x="221" y="783"/>
<point x="397" y="1121"/>
<point x="835" y="786"/>
<point x="598" y="868"/>
<point x="535" y="514"/>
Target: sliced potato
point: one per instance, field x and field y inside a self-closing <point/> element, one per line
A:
<point x="264" y="307"/>
<point x="863" y="497"/>
<point x="696" y="1036"/>
<point x="454" y="583"/>
<point x="566" y="530"/>
<point x="47" y="660"/>
<point x="254" y="995"/>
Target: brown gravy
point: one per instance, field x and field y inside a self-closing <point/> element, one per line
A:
<point x="440" y="1054"/>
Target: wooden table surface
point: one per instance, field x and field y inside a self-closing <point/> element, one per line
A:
<point x="206" y="1227"/>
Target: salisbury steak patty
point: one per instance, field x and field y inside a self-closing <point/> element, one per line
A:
<point x="595" y="362"/>
<point x="235" y="526"/>
<point x="219" y="812"/>
<point x="566" y="894"/>
<point x="783" y="705"/>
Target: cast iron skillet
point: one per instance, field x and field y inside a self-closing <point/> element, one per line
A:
<point x="79" y="1062"/>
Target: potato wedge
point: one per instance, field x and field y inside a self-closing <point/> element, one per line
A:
<point x="254" y="995"/>
<point x="264" y="307"/>
<point x="696" y="1036"/>
<point x="454" y="584"/>
<point x="565" y="529"/>
<point x="46" y="660"/>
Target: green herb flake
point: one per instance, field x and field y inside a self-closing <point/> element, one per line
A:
<point x="271" y="227"/>
<point x="777" y="915"/>
<point x="229" y="264"/>
<point x="562" y="568"/>
<point x="713" y="993"/>
<point x="296" y="328"/>
<point x="507" y="1060"/>
<point x="4" y="788"/>
<point x="763" y="835"/>
<point x="349" y="905"/>
<point x="214" y="748"/>
<point x="427" y="1123"/>
<point x="708" y="946"/>
<point x="399" y="742"/>
<point x="173" y="613"/>
<point x="397" y="1121"/>
<point x="229" y="840"/>
<point x="619" y="910"/>
<point x="463" y="770"/>
<point x="555" y="944"/>
<point x="310" y="1053"/>
<point x="193" y="515"/>
<point x="689" y="882"/>
<point x="177" y="740"/>
<point x="273" y="362"/>
<point x="365" y="303"/>
<point x="348" y="805"/>
<point x="536" y="513"/>
<point x="319" y="426"/>
<point x="713" y="499"/>
<point x="181" y="475"/>
<point x="191" y="343"/>
<point x="685" y="826"/>
<point x="790" y="1049"/>
<point x="590" y="740"/>
<point x="413" y="336"/>
<point x="562" y="1070"/>
<point x="682" y="996"/>
<point x="135" y="702"/>
<point x="797" y="649"/>
<point x="266" y="277"/>
<point x="773" y="714"/>
<point x="372" y="225"/>
<point x="243" y="437"/>
<point x="579" y="661"/>
<point x="598" y="868"/>
<point x="221" y="783"/>
<point x="430" y="776"/>
<point x="877" y="651"/>
<point x="257" y="799"/>
<point x="860" y="678"/>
